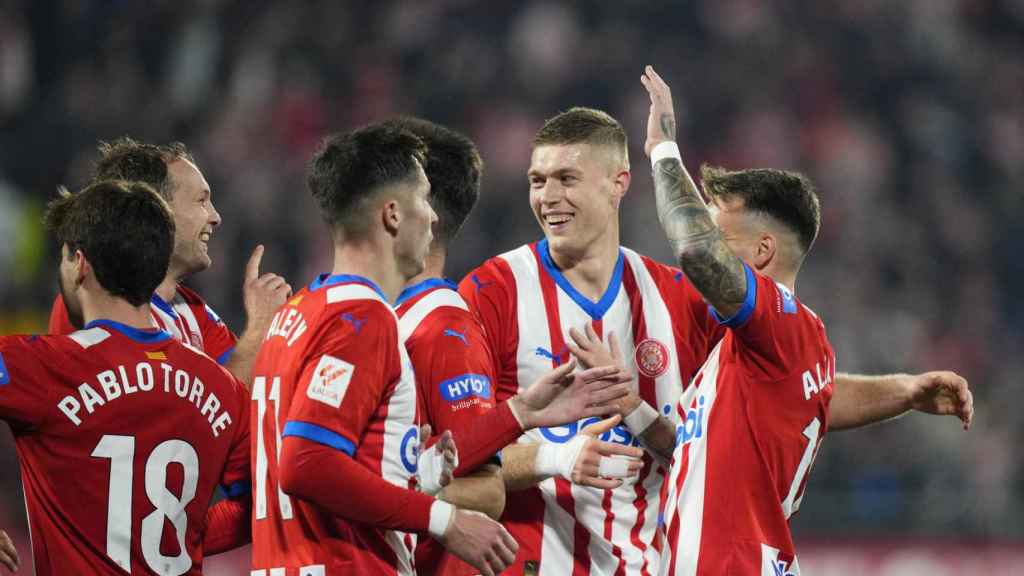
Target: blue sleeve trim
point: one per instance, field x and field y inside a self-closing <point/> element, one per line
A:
<point x="749" y="303"/>
<point x="320" y="435"/>
<point x="223" y="358"/>
<point x="240" y="488"/>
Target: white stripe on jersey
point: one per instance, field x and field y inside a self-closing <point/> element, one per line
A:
<point x="90" y="337"/>
<point x="189" y="321"/>
<point x="685" y="551"/>
<point x="401" y="430"/>
<point x="533" y="358"/>
<point x="409" y="321"/>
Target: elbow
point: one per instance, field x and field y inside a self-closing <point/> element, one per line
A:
<point x="290" y="468"/>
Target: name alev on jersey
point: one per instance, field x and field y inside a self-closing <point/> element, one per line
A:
<point x="145" y="377"/>
<point x="288" y="324"/>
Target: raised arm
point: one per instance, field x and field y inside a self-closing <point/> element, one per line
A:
<point x="862" y="400"/>
<point x="263" y="295"/>
<point x="696" y="242"/>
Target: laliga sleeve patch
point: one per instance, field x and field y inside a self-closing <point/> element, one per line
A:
<point x="5" y="376"/>
<point x="330" y="381"/>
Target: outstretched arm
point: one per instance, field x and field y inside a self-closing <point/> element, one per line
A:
<point x="862" y="400"/>
<point x="702" y="252"/>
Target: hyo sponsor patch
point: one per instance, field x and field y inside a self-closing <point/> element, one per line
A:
<point x="330" y="380"/>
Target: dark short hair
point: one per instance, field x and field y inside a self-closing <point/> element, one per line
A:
<point x="581" y="125"/>
<point x="788" y="197"/>
<point x="126" y="231"/>
<point x="454" y="169"/>
<point x="127" y="159"/>
<point x="350" y="167"/>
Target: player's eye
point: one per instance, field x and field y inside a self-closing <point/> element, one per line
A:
<point x="536" y="182"/>
<point x="569" y="180"/>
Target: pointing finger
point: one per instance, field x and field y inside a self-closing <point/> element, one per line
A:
<point x="252" y="268"/>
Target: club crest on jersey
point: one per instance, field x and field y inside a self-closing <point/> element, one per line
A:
<point x="330" y="380"/>
<point x="5" y="376"/>
<point x="466" y="386"/>
<point x="651" y="358"/>
<point x="774" y="562"/>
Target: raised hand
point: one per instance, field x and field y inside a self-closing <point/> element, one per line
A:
<point x="661" y="121"/>
<point x="480" y="541"/>
<point x="561" y="396"/>
<point x="943" y="393"/>
<point x="262" y="295"/>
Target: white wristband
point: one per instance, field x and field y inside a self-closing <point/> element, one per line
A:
<point x="429" y="468"/>
<point x="558" y="459"/>
<point x="667" y="149"/>
<point x="641" y="418"/>
<point x="441" y="514"/>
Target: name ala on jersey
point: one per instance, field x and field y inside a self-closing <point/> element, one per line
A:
<point x="116" y="384"/>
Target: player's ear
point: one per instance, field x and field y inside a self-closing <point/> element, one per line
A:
<point x="391" y="215"/>
<point x="765" y="251"/>
<point x="621" y="182"/>
<point x="82" y="268"/>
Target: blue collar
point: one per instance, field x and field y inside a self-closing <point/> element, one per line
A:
<point x="596" y="310"/>
<point x="162" y="304"/>
<point x="142" y="336"/>
<point x="328" y="280"/>
<point x="423" y="286"/>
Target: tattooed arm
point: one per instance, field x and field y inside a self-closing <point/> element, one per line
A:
<point x="702" y="252"/>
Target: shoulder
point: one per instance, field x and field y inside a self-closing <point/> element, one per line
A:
<point x="196" y="302"/>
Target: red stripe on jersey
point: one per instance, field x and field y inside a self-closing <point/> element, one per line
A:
<point x="563" y="488"/>
<point x="648" y="392"/>
<point x="609" y="518"/>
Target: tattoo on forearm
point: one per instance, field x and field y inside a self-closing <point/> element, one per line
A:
<point x="668" y="126"/>
<point x="703" y="254"/>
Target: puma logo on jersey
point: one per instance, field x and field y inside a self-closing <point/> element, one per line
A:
<point x="456" y="334"/>
<point x="357" y="323"/>
<point x="479" y="284"/>
<point x="559" y="358"/>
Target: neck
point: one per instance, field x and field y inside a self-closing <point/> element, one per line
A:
<point x="169" y="287"/>
<point x="591" y="270"/>
<point x="103" y="306"/>
<point x="434" y="266"/>
<point x="368" y="260"/>
<point x="783" y="276"/>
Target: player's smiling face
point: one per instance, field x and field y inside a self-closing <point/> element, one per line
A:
<point x="194" y="218"/>
<point x="575" y="191"/>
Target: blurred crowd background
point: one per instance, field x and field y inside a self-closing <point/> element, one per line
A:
<point x="909" y="116"/>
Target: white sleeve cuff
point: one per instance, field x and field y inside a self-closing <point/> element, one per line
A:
<point x="441" y="514"/>
<point x="667" y="149"/>
<point x="558" y="459"/>
<point x="641" y="418"/>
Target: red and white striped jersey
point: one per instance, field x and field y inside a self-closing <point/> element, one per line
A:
<point x="454" y="375"/>
<point x="332" y="369"/>
<point x="527" y="307"/>
<point x="187" y="318"/>
<point x="748" y="431"/>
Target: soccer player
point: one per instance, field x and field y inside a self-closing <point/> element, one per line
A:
<point x="180" y="311"/>
<point x="453" y="365"/>
<point x="122" y="432"/>
<point x="335" y="422"/>
<point x="752" y="421"/>
<point x="528" y="299"/>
